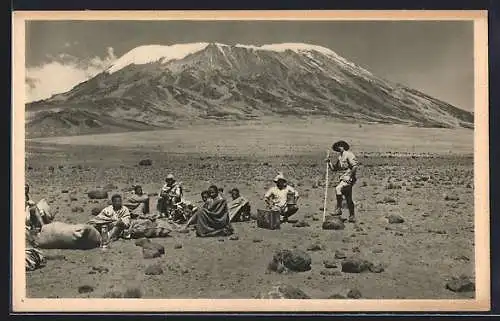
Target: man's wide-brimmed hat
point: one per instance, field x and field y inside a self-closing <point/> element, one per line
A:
<point x="340" y="143"/>
<point x="279" y="177"/>
<point x="170" y="176"/>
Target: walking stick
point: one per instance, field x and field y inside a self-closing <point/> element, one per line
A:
<point x="326" y="186"/>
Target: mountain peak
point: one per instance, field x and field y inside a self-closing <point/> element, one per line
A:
<point x="163" y="53"/>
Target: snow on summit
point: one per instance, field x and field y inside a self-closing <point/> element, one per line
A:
<point x="163" y="53"/>
<point x="152" y="53"/>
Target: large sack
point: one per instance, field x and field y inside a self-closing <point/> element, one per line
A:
<point x="58" y="235"/>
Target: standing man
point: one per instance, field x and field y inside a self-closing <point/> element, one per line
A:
<point x="169" y="195"/>
<point x="347" y="164"/>
<point x="277" y="198"/>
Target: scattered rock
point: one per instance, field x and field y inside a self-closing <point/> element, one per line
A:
<point x="284" y="291"/>
<point x="77" y="209"/>
<point x="462" y="258"/>
<point x="152" y="250"/>
<point x="178" y="246"/>
<point x="146" y="162"/>
<point x="315" y="247"/>
<point x="100" y="269"/>
<point x="113" y="295"/>
<point x="330" y="264"/>
<point x="461" y="284"/>
<point x="334" y="223"/>
<point x="330" y="273"/>
<point x="234" y="238"/>
<point x="355" y="265"/>
<point x="451" y="197"/>
<point x="73" y="198"/>
<point x="142" y="242"/>
<point x="98" y="194"/>
<point x="109" y="187"/>
<point x="340" y="255"/>
<point x="65" y="191"/>
<point x="354" y="294"/>
<point x="377" y="268"/>
<point x="301" y="224"/>
<point x="395" y="219"/>
<point x="85" y="289"/>
<point x="293" y="260"/>
<point x="377" y="251"/>
<point x="154" y="269"/>
<point x="132" y="293"/>
<point x="337" y="296"/>
<point x="256" y="240"/>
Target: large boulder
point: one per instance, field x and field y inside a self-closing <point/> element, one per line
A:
<point x="356" y="265"/>
<point x="291" y="260"/>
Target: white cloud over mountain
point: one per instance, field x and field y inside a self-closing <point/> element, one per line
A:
<point x="61" y="73"/>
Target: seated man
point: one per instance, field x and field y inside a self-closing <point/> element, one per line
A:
<point x="282" y="198"/>
<point x="239" y="207"/>
<point x="170" y="194"/>
<point x="137" y="203"/>
<point x="213" y="219"/>
<point x="115" y="216"/>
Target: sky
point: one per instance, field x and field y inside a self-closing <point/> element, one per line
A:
<point x="436" y="58"/>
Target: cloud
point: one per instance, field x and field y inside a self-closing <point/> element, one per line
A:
<point x="62" y="73"/>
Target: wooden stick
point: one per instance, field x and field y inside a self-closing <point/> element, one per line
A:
<point x="326" y="186"/>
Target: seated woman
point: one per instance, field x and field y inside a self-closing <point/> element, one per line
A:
<point x="137" y="203"/>
<point x="115" y="216"/>
<point x="239" y="207"/>
<point x="213" y="218"/>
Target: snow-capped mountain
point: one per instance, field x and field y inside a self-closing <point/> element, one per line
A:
<point x="154" y="86"/>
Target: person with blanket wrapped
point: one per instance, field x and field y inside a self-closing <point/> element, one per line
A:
<point x="169" y="196"/>
<point x="34" y="258"/>
<point x="137" y="203"/>
<point x="239" y="207"/>
<point x="115" y="216"/>
<point x="278" y="198"/>
<point x="213" y="218"/>
<point x="34" y="219"/>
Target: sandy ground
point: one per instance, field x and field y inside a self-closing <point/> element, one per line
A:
<point x="420" y="255"/>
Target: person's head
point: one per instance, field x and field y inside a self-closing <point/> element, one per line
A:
<point x="221" y="190"/>
<point x="280" y="181"/>
<point x="170" y="179"/>
<point x="340" y="146"/>
<point x="235" y="193"/>
<point x="138" y="189"/>
<point x="213" y="191"/>
<point x="205" y="195"/>
<point x="116" y="201"/>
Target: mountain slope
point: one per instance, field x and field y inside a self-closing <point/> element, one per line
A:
<point x="156" y="86"/>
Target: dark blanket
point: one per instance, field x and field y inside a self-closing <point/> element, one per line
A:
<point x="213" y="219"/>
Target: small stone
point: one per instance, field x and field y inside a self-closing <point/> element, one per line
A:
<point x="256" y="240"/>
<point x="178" y="246"/>
<point x="145" y="162"/>
<point x="77" y="209"/>
<point x="85" y="289"/>
<point x="329" y="264"/>
<point x="65" y="191"/>
<point x="376" y="268"/>
<point x="333" y="224"/>
<point x="330" y="273"/>
<point x="337" y="296"/>
<point x="315" y="247"/>
<point x="100" y="269"/>
<point x="340" y="255"/>
<point x="154" y="269"/>
<point x="234" y="238"/>
<point x="395" y="219"/>
<point x="284" y="291"/>
<point x="461" y="284"/>
<point x="113" y="295"/>
<point x="377" y="251"/>
<point x="301" y="224"/>
<point x="98" y="194"/>
<point x="354" y="294"/>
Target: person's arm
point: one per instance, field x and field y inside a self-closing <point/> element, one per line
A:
<point x="267" y="197"/>
<point x="353" y="164"/>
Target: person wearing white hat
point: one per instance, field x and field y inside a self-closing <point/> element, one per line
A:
<point x="278" y="198"/>
<point x="170" y="194"/>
